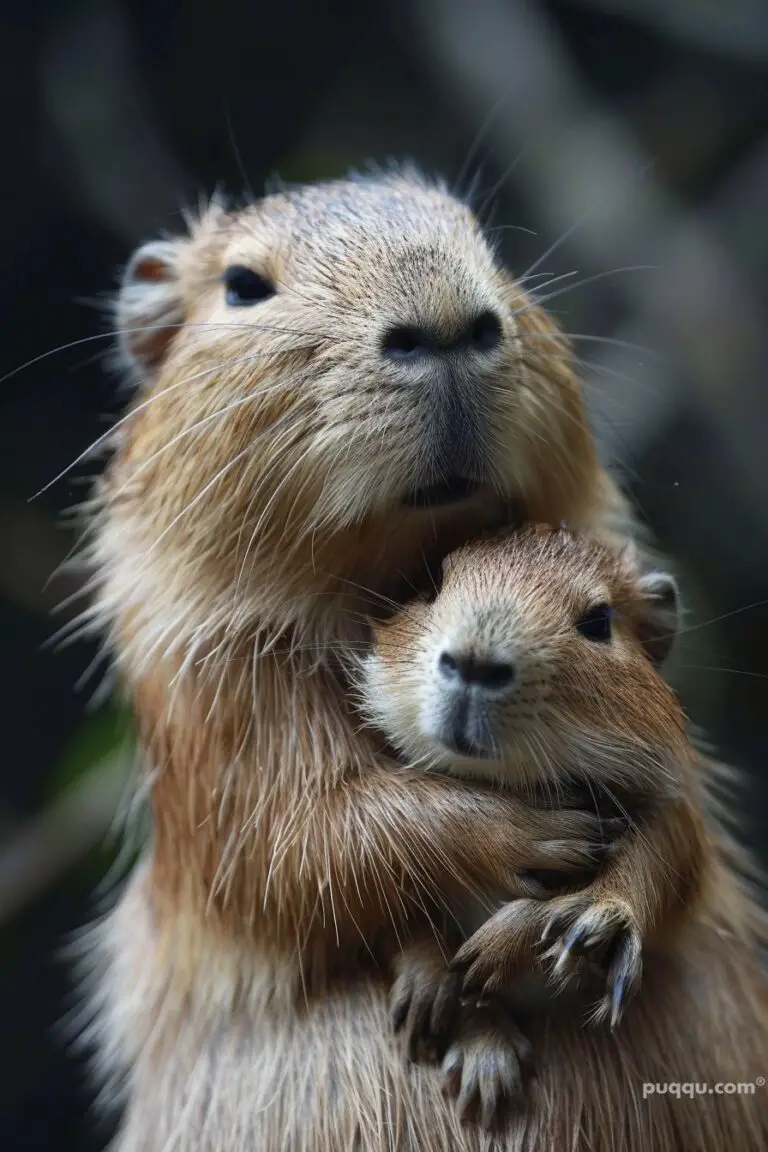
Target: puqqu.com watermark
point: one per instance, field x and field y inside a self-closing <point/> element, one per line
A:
<point x="690" y="1089"/>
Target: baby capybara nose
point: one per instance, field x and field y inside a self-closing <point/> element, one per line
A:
<point x="470" y="670"/>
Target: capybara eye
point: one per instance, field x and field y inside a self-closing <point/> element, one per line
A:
<point x="596" y="624"/>
<point x="245" y="287"/>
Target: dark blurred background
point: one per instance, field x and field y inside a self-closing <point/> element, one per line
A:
<point x="629" y="135"/>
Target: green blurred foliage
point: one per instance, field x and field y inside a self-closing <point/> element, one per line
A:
<point x="100" y="737"/>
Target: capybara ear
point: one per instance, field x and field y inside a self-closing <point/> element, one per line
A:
<point x="659" y="621"/>
<point x="149" y="306"/>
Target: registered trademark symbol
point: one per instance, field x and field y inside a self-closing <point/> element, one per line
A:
<point x="760" y="1081"/>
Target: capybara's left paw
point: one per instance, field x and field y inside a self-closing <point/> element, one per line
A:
<point x="424" y="1001"/>
<point x="498" y="953"/>
<point x="487" y="1066"/>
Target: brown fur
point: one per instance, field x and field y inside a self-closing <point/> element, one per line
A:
<point x="251" y="515"/>
<point x="686" y="932"/>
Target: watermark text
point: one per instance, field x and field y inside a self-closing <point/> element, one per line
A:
<point x="690" y="1089"/>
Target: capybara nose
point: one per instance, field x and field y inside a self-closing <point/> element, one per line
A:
<point x="469" y="670"/>
<point x="481" y="333"/>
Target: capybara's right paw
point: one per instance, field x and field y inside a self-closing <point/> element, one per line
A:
<point x="606" y="928"/>
<point x="424" y="1001"/>
<point x="487" y="1065"/>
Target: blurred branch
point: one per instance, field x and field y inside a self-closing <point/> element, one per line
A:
<point x="582" y="172"/>
<point x="97" y="106"/>
<point x="33" y="548"/>
<point x="739" y="29"/>
<point x="39" y="853"/>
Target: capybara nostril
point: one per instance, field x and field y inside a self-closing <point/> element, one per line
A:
<point x="469" y="670"/>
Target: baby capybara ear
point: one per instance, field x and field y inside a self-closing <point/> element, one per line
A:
<point x="659" y="620"/>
